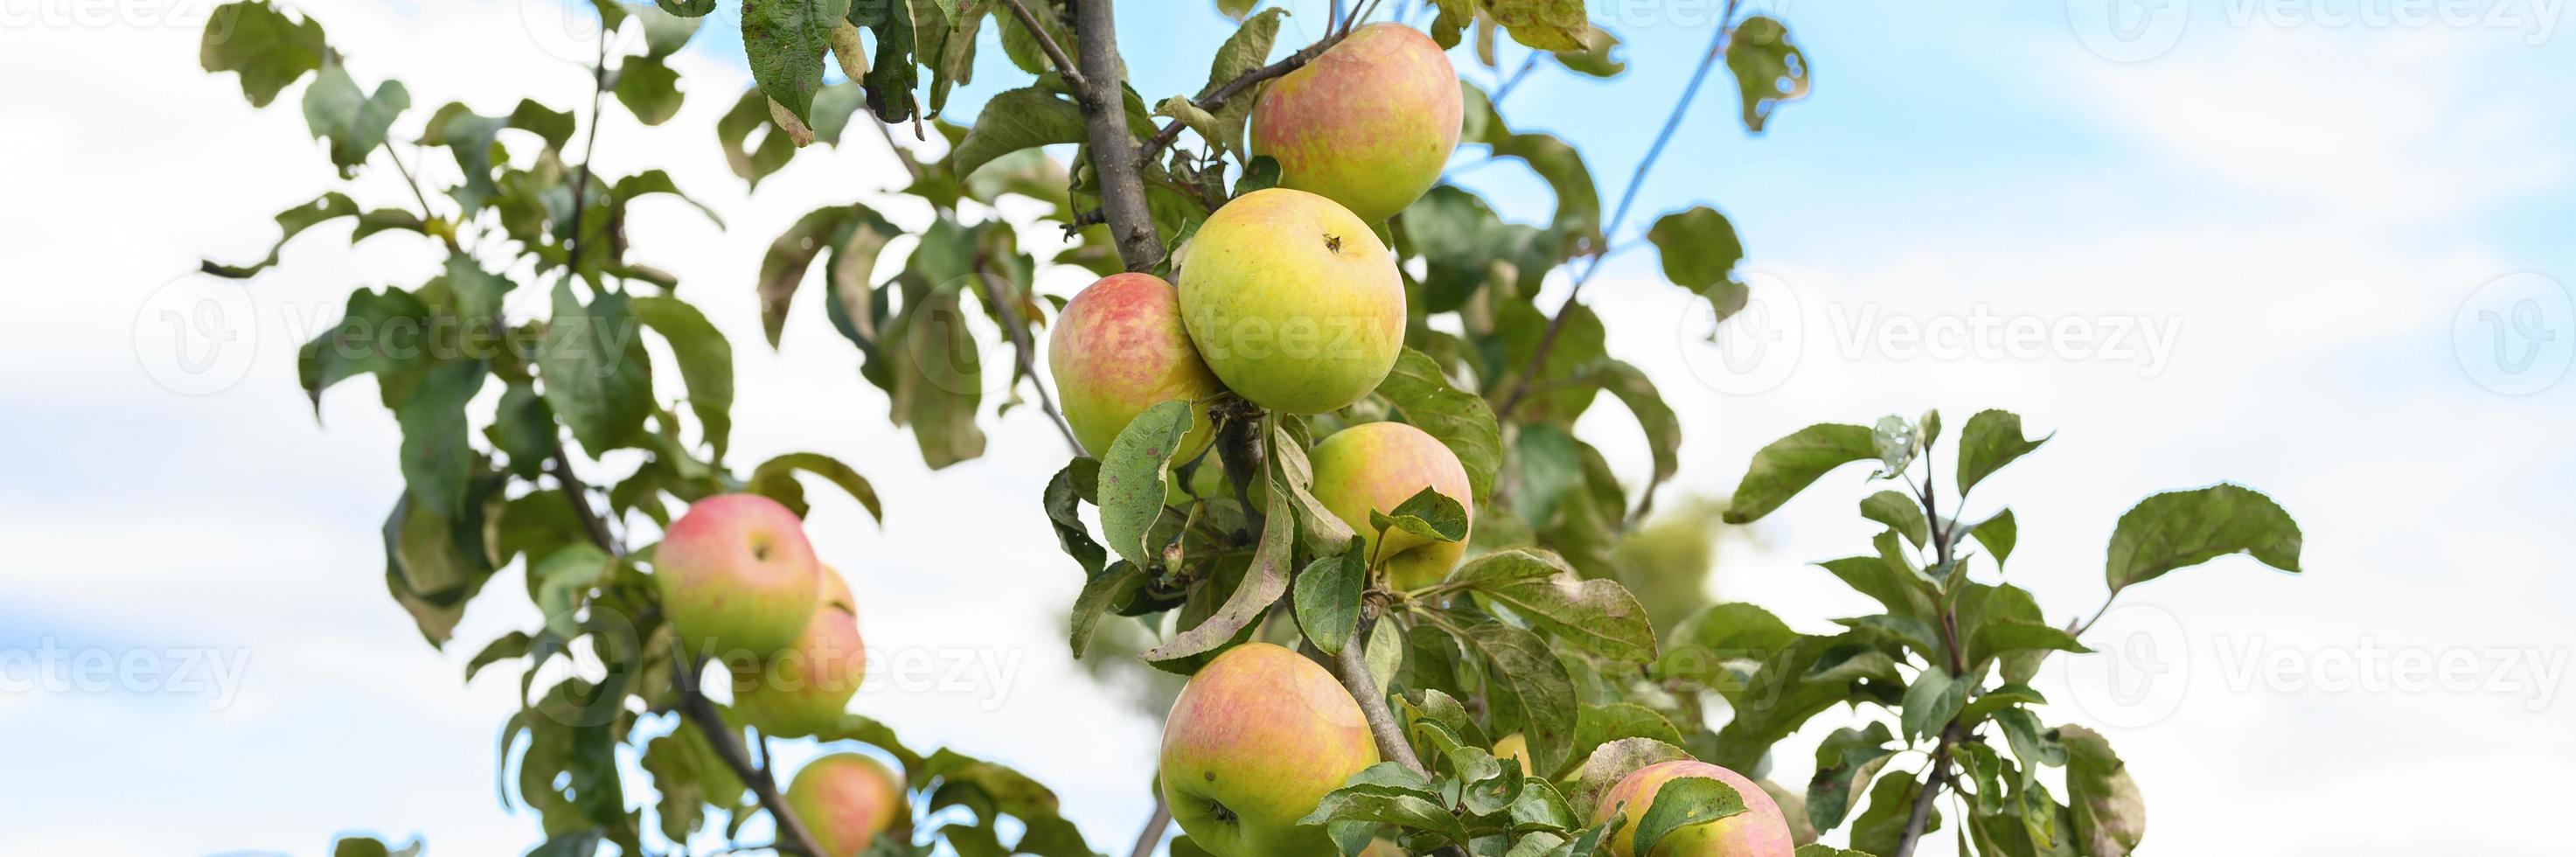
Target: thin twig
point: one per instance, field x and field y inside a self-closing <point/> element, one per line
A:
<point x="1023" y="351"/>
<point x="1155" y="825"/>
<point x="1073" y="76"/>
<point x="426" y="215"/>
<point x="1214" y="96"/>
<point x="1555" y="325"/>
<point x="1514" y="81"/>
<point x="589" y="149"/>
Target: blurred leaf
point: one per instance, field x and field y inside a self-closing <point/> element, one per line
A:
<point x="1700" y="251"/>
<point x="354" y="122"/>
<point x="1845" y="762"/>
<point x="1663" y="429"/>
<point x="891" y="77"/>
<point x="2177" y="529"/>
<point x="1611" y="762"/>
<point x="436" y="454"/>
<point x="1598" y="58"/>
<point x="1891" y="807"/>
<point x="649" y="89"/>
<point x="1063" y="509"/>
<point x="1779" y="471"/>
<point x="751" y="113"/>
<point x="1099" y="592"/>
<point x="378" y="332"/>
<point x="766" y="479"/>
<point x="2110" y="816"/>
<point x="290" y="222"/>
<point x="1768" y="68"/>
<point x="1934" y="699"/>
<point x="705" y="359"/>
<point x="268" y="48"/>
<point x="1547" y="25"/>
<point x="1247" y="49"/>
<point x="1578" y="200"/>
<point x="597" y="377"/>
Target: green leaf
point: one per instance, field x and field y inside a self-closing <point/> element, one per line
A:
<point x="1547" y="25"/>
<point x="2185" y="528"/>
<point x="378" y="332"/>
<point x="1595" y="725"/>
<point x="1768" y="68"/>
<point x="930" y="360"/>
<point x="1327" y="598"/>
<point x="1420" y="394"/>
<point x="597" y="378"/>
<point x="1845" y="762"/>
<point x="1700" y="251"/>
<point x="891" y="77"/>
<point x="1013" y="120"/>
<point x="1527" y="687"/>
<point x="1577" y="223"/>
<point x="1998" y="534"/>
<point x="1132" y="476"/>
<point x="1598" y="58"/>
<point x="1063" y="509"/>
<point x="1262" y="583"/>
<point x="1684" y="802"/>
<point x="1428" y="513"/>
<point x="290" y="222"/>
<point x="705" y="359"/>
<point x="1933" y="700"/>
<point x="1247" y="49"/>
<point x="1899" y="513"/>
<point x="1597" y="616"/>
<point x="435" y="564"/>
<point x="855" y="235"/>
<point x="1663" y="429"/>
<point x="1790" y="687"/>
<point x="1099" y="592"/>
<point x="649" y="89"/>
<point x="2110" y="816"/>
<point x="784" y="41"/>
<point x="436" y="454"/>
<point x="770" y="475"/>
<point x="471" y="138"/>
<point x="1779" y="471"/>
<point x="2032" y="745"/>
<point x="749" y="162"/>
<point x="1991" y="440"/>
<point x="1405" y="799"/>
<point x="1611" y="762"/>
<point x="268" y="48"/>
<point x="353" y="121"/>
<point x="1999" y="636"/>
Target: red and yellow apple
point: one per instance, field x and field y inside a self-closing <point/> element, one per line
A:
<point x="1369" y="124"/>
<point x="736" y="576"/>
<point x="805" y="688"/>
<point x="1759" y="831"/>
<point x="1119" y="348"/>
<point x="1255" y="741"/>
<point x="1377" y="466"/>
<point x="845" y="800"/>
<point x="1292" y="301"/>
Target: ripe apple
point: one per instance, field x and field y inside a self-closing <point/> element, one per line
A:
<point x="1118" y="349"/>
<point x="805" y="688"/>
<point x="737" y="577"/>
<point x="845" y="800"/>
<point x="1759" y="831"/>
<point x="1255" y="741"/>
<point x="1376" y="466"/>
<point x="1369" y="124"/>
<point x="1292" y="301"/>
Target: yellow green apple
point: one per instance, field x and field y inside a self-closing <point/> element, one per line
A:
<point x="737" y="577"/>
<point x="1377" y="466"/>
<point x="1255" y="741"/>
<point x="1759" y="831"/>
<point x="1515" y="746"/>
<point x="1369" y="124"/>
<point x="845" y="800"/>
<point x="805" y="688"/>
<point x="1119" y="348"/>
<point x="1292" y="301"/>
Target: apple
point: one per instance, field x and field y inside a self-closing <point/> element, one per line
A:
<point x="805" y="688"/>
<point x="1759" y="831"/>
<point x="1369" y="124"/>
<point x="1255" y="741"/>
<point x="1382" y="847"/>
<point x="1292" y="301"/>
<point x="845" y="800"/>
<point x="736" y="576"/>
<point x="1376" y="466"/>
<point x="1119" y="348"/>
<point x="1515" y="746"/>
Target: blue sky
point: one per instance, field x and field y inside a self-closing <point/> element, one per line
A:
<point x="2312" y="212"/>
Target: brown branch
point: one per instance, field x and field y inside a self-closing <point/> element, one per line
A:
<point x="1063" y="65"/>
<point x="1546" y="341"/>
<point x="1352" y="666"/>
<point x="1104" y="113"/>
<point x="793" y="837"/>
<point x="1155" y="825"/>
<point x="1023" y="351"/>
<point x="1921" y="814"/>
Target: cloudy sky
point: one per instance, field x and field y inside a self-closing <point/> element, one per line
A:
<point x="2317" y="247"/>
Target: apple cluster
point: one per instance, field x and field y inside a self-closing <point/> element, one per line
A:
<point x="740" y="583"/>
